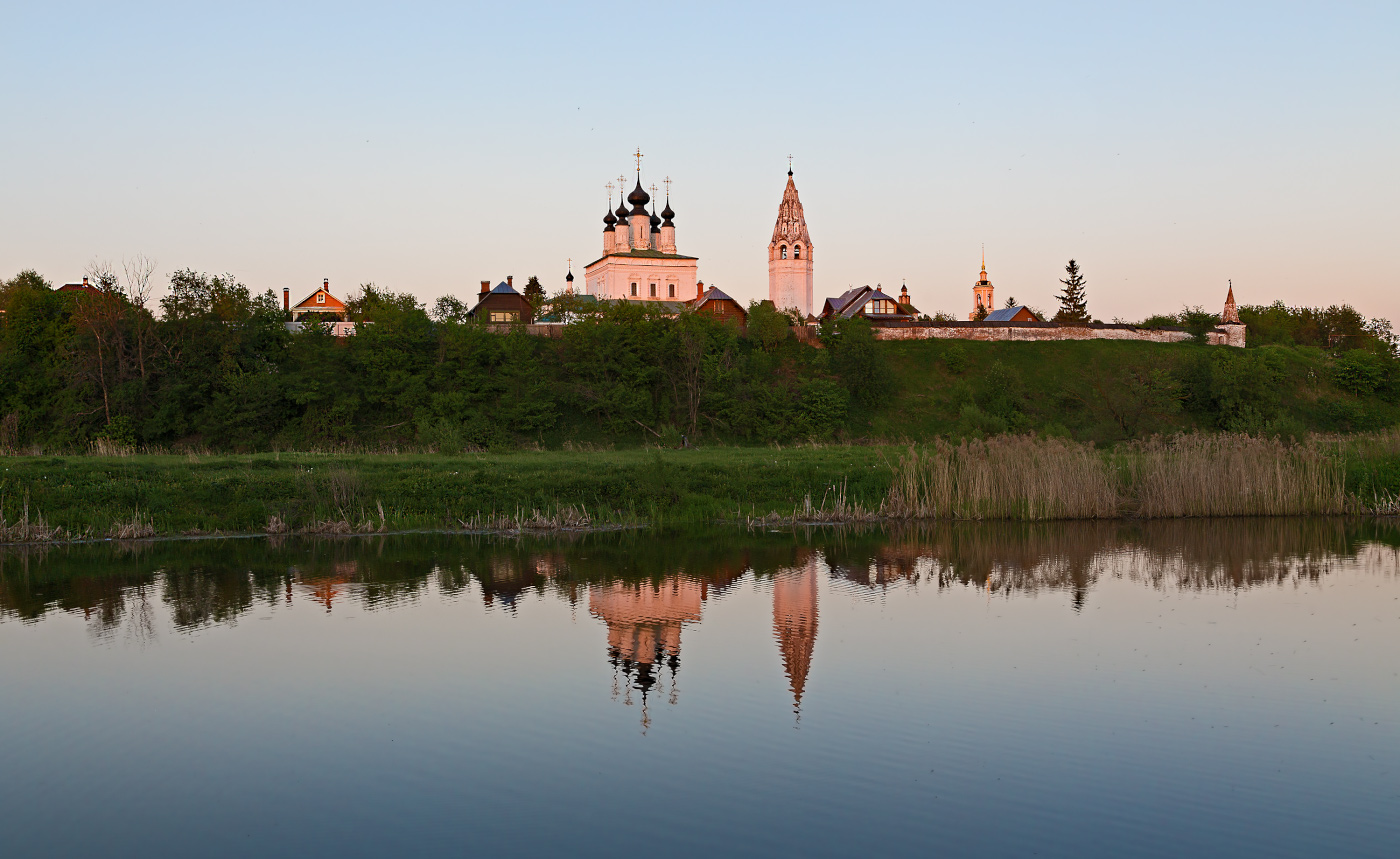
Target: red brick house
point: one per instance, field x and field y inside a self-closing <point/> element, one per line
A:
<point x="502" y="305"/>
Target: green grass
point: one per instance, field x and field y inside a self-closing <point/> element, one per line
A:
<point x="239" y="494"/>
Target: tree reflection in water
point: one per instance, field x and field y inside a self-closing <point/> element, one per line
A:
<point x="645" y="588"/>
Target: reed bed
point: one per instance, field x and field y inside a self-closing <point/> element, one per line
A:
<point x="27" y="530"/>
<point x="1007" y="477"/>
<point x="1231" y="475"/>
<point x="1031" y="479"/>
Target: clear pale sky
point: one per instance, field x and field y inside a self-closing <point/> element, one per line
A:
<point x="427" y="147"/>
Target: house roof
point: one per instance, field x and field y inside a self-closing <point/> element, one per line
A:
<point x="502" y="288"/>
<point x="1005" y="314"/>
<point x="855" y="306"/>
<point x="309" y="303"/>
<point x="714" y="294"/>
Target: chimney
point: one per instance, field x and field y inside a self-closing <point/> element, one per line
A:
<point x="510" y="281"/>
<point x="699" y="289"/>
<point x="85" y="282"/>
<point x="326" y="284"/>
<point x="485" y="287"/>
<point x="286" y="298"/>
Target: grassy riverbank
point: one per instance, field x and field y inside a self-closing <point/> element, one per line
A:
<point x="1010" y="477"/>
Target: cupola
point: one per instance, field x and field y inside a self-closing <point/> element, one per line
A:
<point x="638" y="198"/>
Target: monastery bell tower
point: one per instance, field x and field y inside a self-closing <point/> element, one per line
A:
<point x="790" y="255"/>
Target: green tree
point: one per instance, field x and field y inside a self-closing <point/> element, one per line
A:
<point x="1073" y="304"/>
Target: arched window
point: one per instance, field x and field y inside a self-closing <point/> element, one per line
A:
<point x="797" y="252"/>
<point x="783" y="250"/>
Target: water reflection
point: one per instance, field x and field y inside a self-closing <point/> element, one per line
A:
<point x="646" y="590"/>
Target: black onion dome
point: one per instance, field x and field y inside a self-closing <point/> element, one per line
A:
<point x="622" y="213"/>
<point x="569" y="277"/>
<point x="655" y="221"/>
<point x="668" y="214"/>
<point x="608" y="220"/>
<point x="639" y="199"/>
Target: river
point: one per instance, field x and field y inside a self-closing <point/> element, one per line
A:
<point x="1203" y="688"/>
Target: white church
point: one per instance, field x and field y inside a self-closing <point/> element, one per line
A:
<point x="640" y="261"/>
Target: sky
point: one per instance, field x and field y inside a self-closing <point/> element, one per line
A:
<point x="1169" y="148"/>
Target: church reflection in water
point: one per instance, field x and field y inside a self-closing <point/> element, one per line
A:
<point x="644" y="591"/>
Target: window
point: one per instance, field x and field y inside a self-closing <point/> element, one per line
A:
<point x="797" y="251"/>
<point x="320" y="298"/>
<point x="505" y="316"/>
<point x="782" y="251"/>
<point x="634" y="290"/>
<point x="653" y="290"/>
<point x="671" y="290"/>
<point x="881" y="305"/>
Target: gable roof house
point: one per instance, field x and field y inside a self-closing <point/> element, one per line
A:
<point x="1019" y="313"/>
<point x="867" y="302"/>
<point x="321" y="306"/>
<point x="326" y="306"/>
<point x="721" y="306"/>
<point x="502" y="305"/>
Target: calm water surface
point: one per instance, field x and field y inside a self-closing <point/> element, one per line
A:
<point x="1161" y="689"/>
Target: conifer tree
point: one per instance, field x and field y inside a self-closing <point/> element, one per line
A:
<point x="1073" y="306"/>
<point x="534" y="290"/>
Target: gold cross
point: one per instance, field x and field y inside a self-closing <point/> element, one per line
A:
<point x="653" y="191"/>
<point x="638" y="156"/>
<point x="610" y="190"/>
<point x="571" y="263"/>
<point x="668" y="187"/>
<point x="621" y="186"/>
<point x="789" y="163"/>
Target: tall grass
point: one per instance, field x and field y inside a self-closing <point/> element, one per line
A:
<point x="1231" y="475"/>
<point x="1027" y="478"/>
<point x="1007" y="477"/>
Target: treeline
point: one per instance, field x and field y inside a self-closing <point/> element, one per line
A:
<point x="211" y="366"/>
<point x="217" y="369"/>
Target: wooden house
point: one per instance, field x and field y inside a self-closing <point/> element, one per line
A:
<point x="720" y="306"/>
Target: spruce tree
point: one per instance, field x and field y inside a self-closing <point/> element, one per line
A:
<point x="1073" y="306"/>
<point x="534" y="290"/>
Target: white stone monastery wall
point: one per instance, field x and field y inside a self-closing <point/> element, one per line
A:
<point x="1224" y="335"/>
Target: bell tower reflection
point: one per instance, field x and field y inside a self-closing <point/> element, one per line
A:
<point x="795" y="623"/>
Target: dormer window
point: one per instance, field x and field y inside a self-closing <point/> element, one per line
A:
<point x="783" y="251"/>
<point x="881" y="305"/>
<point x="320" y="298"/>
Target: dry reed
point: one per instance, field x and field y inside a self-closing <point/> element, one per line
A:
<point x="1231" y="475"/>
<point x="28" y="530"/>
<point x="1027" y="478"/>
<point x="564" y="518"/>
<point x="136" y="529"/>
<point x="1007" y="477"/>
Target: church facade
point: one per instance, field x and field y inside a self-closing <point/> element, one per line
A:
<point x="790" y="256"/>
<point x="640" y="261"/>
